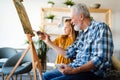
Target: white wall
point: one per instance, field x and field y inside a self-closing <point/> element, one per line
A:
<point x="11" y="32"/>
<point x="12" y="35"/>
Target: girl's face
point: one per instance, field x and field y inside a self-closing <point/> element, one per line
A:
<point x="67" y="28"/>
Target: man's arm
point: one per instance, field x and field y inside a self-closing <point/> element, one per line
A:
<point x="69" y="70"/>
<point x="86" y="67"/>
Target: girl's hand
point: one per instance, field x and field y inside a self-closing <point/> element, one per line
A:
<point x="45" y="37"/>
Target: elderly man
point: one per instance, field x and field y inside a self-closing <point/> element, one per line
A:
<point x="91" y="51"/>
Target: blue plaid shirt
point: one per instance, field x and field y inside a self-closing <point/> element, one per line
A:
<point x="93" y="44"/>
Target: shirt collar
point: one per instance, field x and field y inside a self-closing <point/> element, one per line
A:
<point x="88" y="26"/>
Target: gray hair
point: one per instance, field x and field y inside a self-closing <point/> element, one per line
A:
<point x="81" y="8"/>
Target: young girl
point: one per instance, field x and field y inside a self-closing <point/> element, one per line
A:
<point x="65" y="40"/>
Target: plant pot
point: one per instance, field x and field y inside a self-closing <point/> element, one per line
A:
<point x="69" y="6"/>
<point x="50" y="5"/>
<point x="96" y="5"/>
<point x="50" y="20"/>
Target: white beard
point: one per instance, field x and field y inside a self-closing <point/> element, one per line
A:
<point x="77" y="27"/>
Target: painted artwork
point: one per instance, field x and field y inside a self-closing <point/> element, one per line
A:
<point x="23" y="17"/>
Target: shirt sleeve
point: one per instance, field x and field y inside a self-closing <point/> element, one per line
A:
<point x="71" y="50"/>
<point x="56" y="41"/>
<point x="104" y="46"/>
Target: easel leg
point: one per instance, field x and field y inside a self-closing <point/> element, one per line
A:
<point x="39" y="66"/>
<point x="35" y="62"/>
<point x="15" y="67"/>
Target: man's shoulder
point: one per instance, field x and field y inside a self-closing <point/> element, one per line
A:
<point x="99" y="26"/>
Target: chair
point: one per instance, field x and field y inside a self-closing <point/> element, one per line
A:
<point x="5" y="54"/>
<point x="24" y="67"/>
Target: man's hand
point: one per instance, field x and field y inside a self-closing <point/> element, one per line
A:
<point x="66" y="69"/>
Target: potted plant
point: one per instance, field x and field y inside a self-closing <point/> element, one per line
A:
<point x="50" y="17"/>
<point x="50" y="3"/>
<point x="41" y="49"/>
<point x="42" y="52"/>
<point x="69" y="3"/>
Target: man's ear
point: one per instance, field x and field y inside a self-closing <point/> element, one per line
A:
<point x="81" y="16"/>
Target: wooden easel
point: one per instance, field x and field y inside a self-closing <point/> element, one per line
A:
<point x="36" y="64"/>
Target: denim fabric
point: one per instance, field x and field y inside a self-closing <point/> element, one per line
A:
<point x="56" y="75"/>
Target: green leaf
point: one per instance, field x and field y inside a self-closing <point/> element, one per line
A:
<point x="69" y="2"/>
<point x="51" y="2"/>
<point x="50" y="16"/>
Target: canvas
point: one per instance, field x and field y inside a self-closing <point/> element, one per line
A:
<point x="23" y="17"/>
